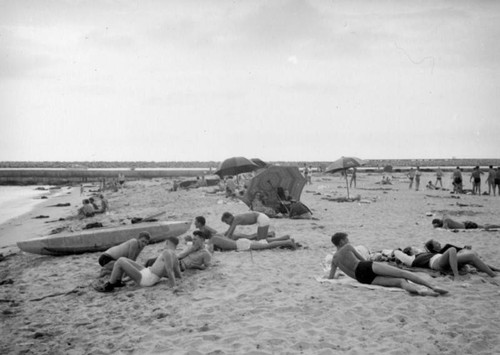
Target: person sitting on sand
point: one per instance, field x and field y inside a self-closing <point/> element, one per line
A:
<point x="431" y="186"/>
<point x="200" y="223"/>
<point x="448" y="223"/>
<point x="166" y="265"/>
<point x="104" y="204"/>
<point x="86" y="210"/>
<point x="354" y="265"/>
<point x="194" y="257"/>
<point x="129" y="249"/>
<point x="94" y="205"/>
<point x="442" y="259"/>
<point x="259" y="205"/>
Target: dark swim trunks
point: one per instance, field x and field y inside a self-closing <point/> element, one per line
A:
<point x="477" y="180"/>
<point x="458" y="180"/>
<point x="364" y="272"/>
<point x="497" y="181"/>
<point x="470" y="225"/>
<point x="105" y="259"/>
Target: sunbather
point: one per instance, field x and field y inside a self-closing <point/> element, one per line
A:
<point x="221" y="243"/>
<point x="354" y="265"/>
<point x="442" y="258"/>
<point x="167" y="265"/>
<point x="129" y="249"/>
<point x="448" y="223"/>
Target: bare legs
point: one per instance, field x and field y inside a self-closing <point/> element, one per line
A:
<point x="127" y="267"/>
<point x="470" y="258"/>
<point x="449" y="259"/>
<point x="391" y="276"/>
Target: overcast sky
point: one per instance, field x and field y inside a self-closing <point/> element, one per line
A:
<point x="279" y="80"/>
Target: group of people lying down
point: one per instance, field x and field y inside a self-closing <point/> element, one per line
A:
<point x="119" y="261"/>
<point x="350" y="261"/>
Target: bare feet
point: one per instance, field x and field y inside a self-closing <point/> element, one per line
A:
<point x="440" y="290"/>
<point x="426" y="292"/>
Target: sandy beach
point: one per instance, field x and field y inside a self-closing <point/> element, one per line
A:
<point x="264" y="302"/>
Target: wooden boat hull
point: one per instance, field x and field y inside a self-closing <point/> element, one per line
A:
<point x="100" y="239"/>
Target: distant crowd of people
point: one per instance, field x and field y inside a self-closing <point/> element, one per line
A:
<point x="492" y="180"/>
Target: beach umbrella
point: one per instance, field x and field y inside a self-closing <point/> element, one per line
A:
<point x="343" y="164"/>
<point x="268" y="180"/>
<point x="260" y="163"/>
<point x="235" y="166"/>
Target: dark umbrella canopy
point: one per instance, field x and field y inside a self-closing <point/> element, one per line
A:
<point x="235" y="166"/>
<point x="268" y="180"/>
<point x="344" y="163"/>
<point x="260" y="163"/>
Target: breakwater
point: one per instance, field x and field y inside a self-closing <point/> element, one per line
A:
<point x="76" y="176"/>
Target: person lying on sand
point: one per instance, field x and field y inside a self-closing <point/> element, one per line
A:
<point x="129" y="249"/>
<point x="166" y="265"/>
<point x="448" y="223"/>
<point x="221" y="243"/>
<point x="194" y="257"/>
<point x="354" y="265"/>
<point x="442" y="258"/>
<point x="250" y="218"/>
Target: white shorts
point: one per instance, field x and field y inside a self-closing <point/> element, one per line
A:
<point x="263" y="220"/>
<point x="243" y="244"/>
<point x="148" y="278"/>
<point x="433" y="262"/>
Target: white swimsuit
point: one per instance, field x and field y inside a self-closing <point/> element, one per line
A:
<point x="263" y="220"/>
<point x="148" y="278"/>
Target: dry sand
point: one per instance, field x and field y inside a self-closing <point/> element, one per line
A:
<point x="265" y="302"/>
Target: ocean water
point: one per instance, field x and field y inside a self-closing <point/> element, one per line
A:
<point x="18" y="200"/>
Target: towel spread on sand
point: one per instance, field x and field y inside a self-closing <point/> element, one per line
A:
<point x="351" y="282"/>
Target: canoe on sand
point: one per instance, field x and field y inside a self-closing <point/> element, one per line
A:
<point x="100" y="239"/>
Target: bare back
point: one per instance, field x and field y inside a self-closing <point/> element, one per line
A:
<point x="346" y="259"/>
<point x="246" y="218"/>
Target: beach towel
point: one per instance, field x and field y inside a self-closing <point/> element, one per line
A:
<point x="353" y="283"/>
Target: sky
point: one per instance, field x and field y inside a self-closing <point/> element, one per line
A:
<point x="281" y="80"/>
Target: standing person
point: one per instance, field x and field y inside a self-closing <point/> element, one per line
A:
<point x="81" y="189"/>
<point x="411" y="176"/>
<point x="457" y="180"/>
<point x="497" y="181"/>
<point x="309" y="177"/>
<point x="129" y="249"/>
<point x="353" y="178"/>
<point x="354" y="265"/>
<point x="475" y="177"/>
<point x="166" y="265"/>
<point x="306" y="172"/>
<point x="439" y="177"/>
<point x="491" y="180"/>
<point x="121" y="179"/>
<point x="418" y="173"/>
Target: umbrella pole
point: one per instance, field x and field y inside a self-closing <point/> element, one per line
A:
<point x="346" y="183"/>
